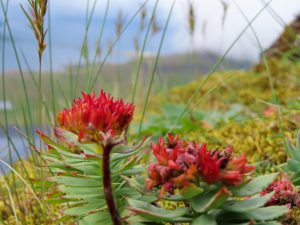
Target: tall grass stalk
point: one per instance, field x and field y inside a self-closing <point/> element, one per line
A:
<point x="36" y="17"/>
<point x="28" y="67"/>
<point x="84" y="46"/>
<point x="141" y="54"/>
<point x="3" y="71"/>
<point x="11" y="37"/>
<point x="214" y="68"/>
<point x="60" y="89"/>
<point x="99" y="42"/>
<point x="94" y="81"/>
<point x="13" y="146"/>
<point x="71" y="82"/>
<point x="23" y="181"/>
<point x="192" y="23"/>
<point x="267" y="67"/>
<point x="12" y="203"/>
<point x="32" y="77"/>
<point x="3" y="77"/>
<point x="5" y="127"/>
<point x="119" y="27"/>
<point x="275" y="15"/>
<point x="53" y="99"/>
<point x="154" y="69"/>
<point x="28" y="109"/>
<point x="3" y="199"/>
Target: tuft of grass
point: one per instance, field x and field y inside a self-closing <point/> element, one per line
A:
<point x="154" y="68"/>
<point x="93" y="82"/>
<point x="84" y="53"/>
<point x="141" y="55"/>
<point x="36" y="17"/>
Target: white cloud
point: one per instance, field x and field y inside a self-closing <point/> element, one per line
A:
<point x="207" y="11"/>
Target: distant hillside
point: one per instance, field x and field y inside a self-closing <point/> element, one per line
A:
<point x="176" y="69"/>
<point x="200" y="62"/>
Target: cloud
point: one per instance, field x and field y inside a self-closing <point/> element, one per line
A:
<point x="209" y="14"/>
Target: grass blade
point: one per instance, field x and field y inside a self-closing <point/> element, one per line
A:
<point x="155" y="68"/>
<point x="214" y="68"/>
<point x="91" y="87"/>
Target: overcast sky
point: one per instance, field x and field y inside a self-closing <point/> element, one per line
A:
<point x="68" y="21"/>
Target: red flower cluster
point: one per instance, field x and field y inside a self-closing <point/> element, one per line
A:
<point x="91" y="115"/>
<point x="284" y="193"/>
<point x="181" y="163"/>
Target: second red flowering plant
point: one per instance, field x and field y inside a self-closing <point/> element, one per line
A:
<point x="212" y="187"/>
<point x="98" y="178"/>
<point x="181" y="164"/>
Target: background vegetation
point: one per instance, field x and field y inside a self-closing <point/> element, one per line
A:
<point x="203" y="97"/>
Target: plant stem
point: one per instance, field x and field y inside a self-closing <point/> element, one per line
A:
<point x="107" y="184"/>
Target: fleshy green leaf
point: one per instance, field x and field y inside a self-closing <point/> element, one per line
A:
<point x="247" y="223"/>
<point x="191" y="191"/>
<point x="85" y="209"/>
<point x="254" y="186"/>
<point x="72" y="140"/>
<point x="264" y="214"/>
<point x="293" y="165"/>
<point x="269" y="223"/>
<point x="209" y="200"/>
<point x="157" y="214"/>
<point x="96" y="218"/>
<point x="76" y="192"/>
<point x="292" y="151"/>
<point x="268" y="213"/>
<point x="76" y="181"/>
<point x="296" y="175"/>
<point x="139" y="220"/>
<point x="205" y="220"/>
<point x="248" y="204"/>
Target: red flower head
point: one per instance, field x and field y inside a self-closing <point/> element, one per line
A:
<point x="180" y="163"/>
<point x="284" y="193"/>
<point x="91" y="115"/>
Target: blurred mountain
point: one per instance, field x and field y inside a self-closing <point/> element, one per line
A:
<point x="199" y="62"/>
<point x="175" y="69"/>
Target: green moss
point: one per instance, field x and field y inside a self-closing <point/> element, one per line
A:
<point x="259" y="139"/>
<point x="243" y="87"/>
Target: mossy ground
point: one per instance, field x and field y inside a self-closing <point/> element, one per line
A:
<point x="260" y="137"/>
